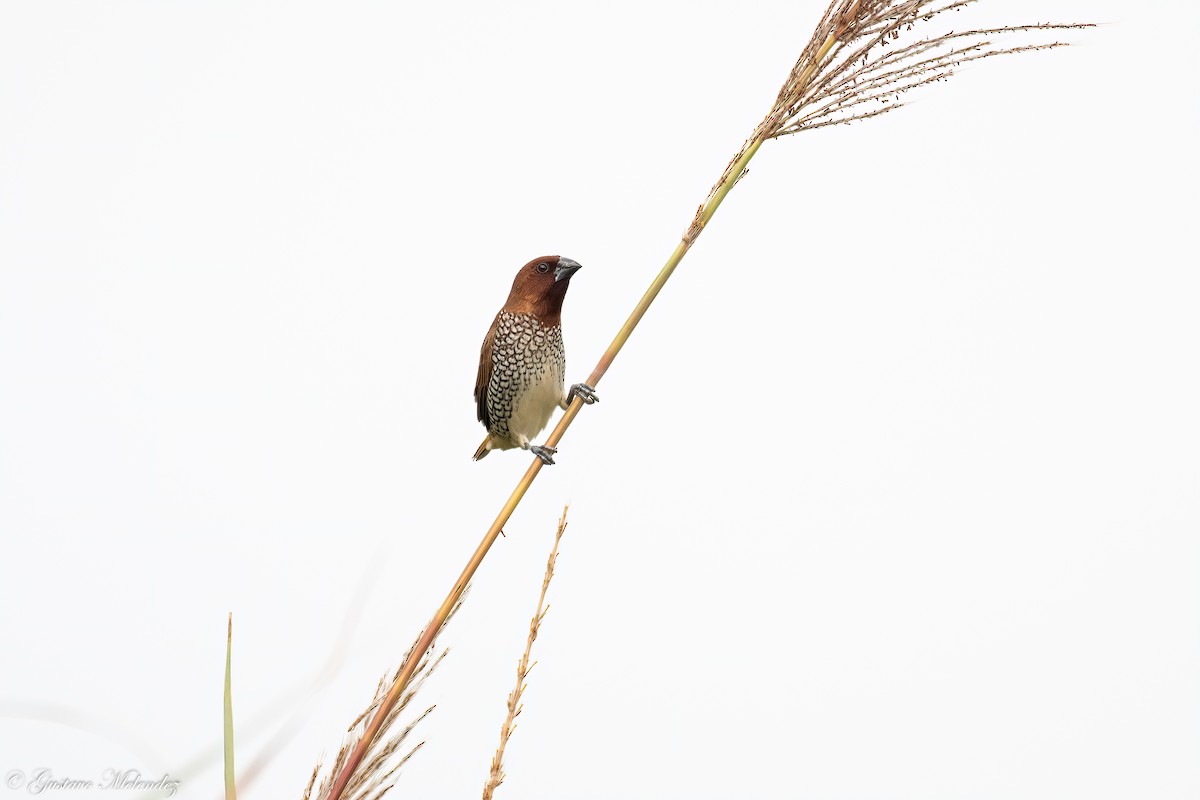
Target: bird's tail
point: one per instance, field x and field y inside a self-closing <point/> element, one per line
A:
<point x="484" y="448"/>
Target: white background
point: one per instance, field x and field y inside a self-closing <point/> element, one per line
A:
<point x="893" y="495"/>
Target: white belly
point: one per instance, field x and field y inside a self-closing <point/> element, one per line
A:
<point x="535" y="405"/>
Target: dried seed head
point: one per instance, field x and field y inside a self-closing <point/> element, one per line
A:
<point x="856" y="65"/>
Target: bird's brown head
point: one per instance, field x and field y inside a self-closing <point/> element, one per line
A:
<point x="540" y="287"/>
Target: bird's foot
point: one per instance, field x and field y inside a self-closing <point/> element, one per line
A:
<point x="543" y="452"/>
<point x="584" y="392"/>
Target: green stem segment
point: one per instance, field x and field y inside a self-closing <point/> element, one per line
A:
<point x="639" y="311"/>
<point x="230" y="785"/>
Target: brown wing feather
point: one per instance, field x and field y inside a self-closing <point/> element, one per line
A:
<point x="485" y="375"/>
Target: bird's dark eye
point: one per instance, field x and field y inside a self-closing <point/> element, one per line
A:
<point x="543" y="267"/>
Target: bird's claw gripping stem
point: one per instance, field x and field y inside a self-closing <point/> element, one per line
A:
<point x="584" y="392"/>
<point x="543" y="452"/>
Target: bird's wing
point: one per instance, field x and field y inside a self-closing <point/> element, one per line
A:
<point x="485" y="375"/>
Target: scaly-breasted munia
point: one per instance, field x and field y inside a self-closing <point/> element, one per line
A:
<point x="522" y="364"/>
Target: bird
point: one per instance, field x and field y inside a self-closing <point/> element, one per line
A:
<point x="522" y="364"/>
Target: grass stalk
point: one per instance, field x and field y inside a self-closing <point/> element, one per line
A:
<point x="855" y="66"/>
<point x="230" y="784"/>
<point x="425" y="641"/>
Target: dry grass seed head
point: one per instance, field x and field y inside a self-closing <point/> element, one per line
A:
<point x="367" y="782"/>
<point x="855" y="67"/>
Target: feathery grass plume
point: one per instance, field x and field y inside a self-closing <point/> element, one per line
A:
<point x="496" y="777"/>
<point x="862" y="56"/>
<point x="863" y="75"/>
<point x="376" y="768"/>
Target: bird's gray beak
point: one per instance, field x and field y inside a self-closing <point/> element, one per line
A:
<point x="565" y="269"/>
